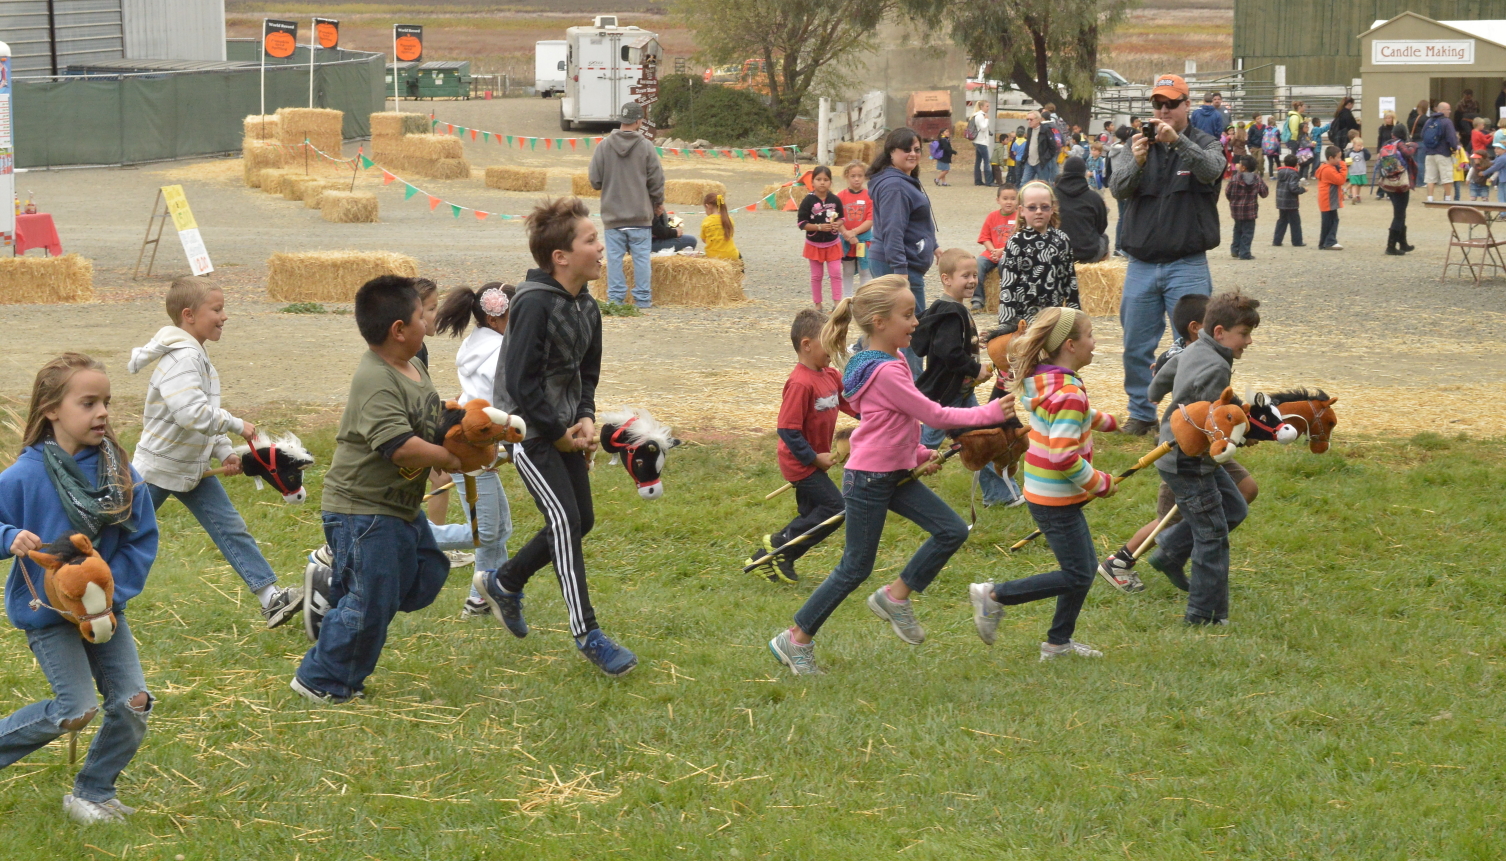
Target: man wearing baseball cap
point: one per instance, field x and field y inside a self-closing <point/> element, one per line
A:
<point x="625" y="168"/>
<point x="1168" y="183"/>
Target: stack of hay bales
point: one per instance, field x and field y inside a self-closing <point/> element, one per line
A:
<point x="313" y="192"/>
<point x="690" y="191"/>
<point x="46" y="280"/>
<point x="990" y="290"/>
<point x="850" y="151"/>
<point x="580" y="185"/>
<point x="346" y="207"/>
<point x="331" y="276"/>
<point x="387" y="128"/>
<point x="517" y="178"/>
<point x="783" y="193"/>
<point x="271" y="179"/>
<point x="260" y="148"/>
<point x="293" y="185"/>
<point x="1101" y="286"/>
<point x="698" y="282"/>
<point x="321" y="127"/>
<point x="401" y="143"/>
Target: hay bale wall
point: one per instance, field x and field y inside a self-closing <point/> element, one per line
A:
<point x="690" y="191"/>
<point x="263" y="127"/>
<point x="46" y="280"/>
<point x="330" y="276"/>
<point x="1101" y="286"/>
<point x="313" y="192"/>
<point x="257" y="156"/>
<point x="422" y="155"/>
<point x="293" y="185"/>
<point x="850" y="151"/>
<point x="517" y="178"/>
<point x="322" y="127"/>
<point x="580" y="185"/>
<point x="271" y="180"/>
<point x="345" y="207"/>
<point x="990" y="290"/>
<point x="697" y="282"/>
<point x="398" y="123"/>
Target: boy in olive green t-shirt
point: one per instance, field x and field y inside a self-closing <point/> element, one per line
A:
<point x="385" y="558"/>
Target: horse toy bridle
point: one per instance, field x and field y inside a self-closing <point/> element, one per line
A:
<point x="1319" y="409"/>
<point x="621" y="439"/>
<point x="270" y="465"/>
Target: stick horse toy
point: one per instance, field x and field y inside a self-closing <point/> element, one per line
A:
<point x="639" y="441"/>
<point x="280" y="462"/>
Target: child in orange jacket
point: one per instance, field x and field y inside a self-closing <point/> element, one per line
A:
<point x="1330" y="198"/>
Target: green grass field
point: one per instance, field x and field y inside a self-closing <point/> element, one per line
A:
<point x="1353" y="709"/>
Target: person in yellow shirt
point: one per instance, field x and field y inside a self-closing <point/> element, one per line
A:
<point x="1461" y="168"/>
<point x="716" y="229"/>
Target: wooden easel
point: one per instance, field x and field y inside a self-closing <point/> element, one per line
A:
<point x="160" y="220"/>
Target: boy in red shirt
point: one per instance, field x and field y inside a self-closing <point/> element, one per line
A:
<point x="807" y="421"/>
<point x="857" y="224"/>
<point x="1331" y="181"/>
<point x="997" y="228"/>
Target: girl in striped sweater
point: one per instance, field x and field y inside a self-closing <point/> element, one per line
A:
<point x="1059" y="476"/>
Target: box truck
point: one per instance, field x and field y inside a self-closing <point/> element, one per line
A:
<point x="607" y="66"/>
<point x="549" y="67"/>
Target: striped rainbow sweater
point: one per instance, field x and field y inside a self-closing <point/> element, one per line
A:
<point x="1059" y="463"/>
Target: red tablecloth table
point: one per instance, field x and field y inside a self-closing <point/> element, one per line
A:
<point x="37" y="231"/>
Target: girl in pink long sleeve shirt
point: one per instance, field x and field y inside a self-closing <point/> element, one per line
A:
<point x="886" y="455"/>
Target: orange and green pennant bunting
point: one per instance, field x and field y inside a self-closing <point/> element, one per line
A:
<point x="409" y="191"/>
<point x="366" y="162"/>
<point x="434" y="203"/>
<point x="387" y="177"/>
<point x="455" y="210"/>
<point x="509" y="140"/>
<point x="480" y="216"/>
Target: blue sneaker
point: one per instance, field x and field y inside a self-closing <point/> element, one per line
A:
<point x="506" y="606"/>
<point x="608" y="657"/>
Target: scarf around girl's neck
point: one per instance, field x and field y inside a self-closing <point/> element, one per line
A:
<point x="91" y="505"/>
<point x="860" y="369"/>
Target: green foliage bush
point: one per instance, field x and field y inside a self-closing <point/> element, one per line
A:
<point x="721" y="115"/>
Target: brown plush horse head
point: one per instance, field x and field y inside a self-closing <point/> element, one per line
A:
<point x="1002" y="447"/>
<point x="471" y="432"/>
<point x="1210" y="427"/>
<point x="998" y="341"/>
<point x="79" y="585"/>
<point x="1311" y="412"/>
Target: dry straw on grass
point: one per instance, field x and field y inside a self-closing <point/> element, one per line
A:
<point x="690" y="191"/>
<point x="271" y="179"/>
<point x="517" y="178"/>
<point x="263" y="127"/>
<point x="345" y="207"/>
<point x="330" y="276"/>
<point x="1100" y="285"/>
<point x="46" y="280"/>
<point x="257" y="156"/>
<point x="313" y="192"/>
<point x="580" y="186"/>
<point x="700" y="282"/>
<point x="850" y="151"/>
<point x="322" y="127"/>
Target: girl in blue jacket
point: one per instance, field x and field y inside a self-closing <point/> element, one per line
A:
<point x="73" y="476"/>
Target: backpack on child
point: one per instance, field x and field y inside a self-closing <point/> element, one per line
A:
<point x="936" y="150"/>
<point x="1304" y="154"/>
<point x="1391" y="172"/>
<point x="1270" y="143"/>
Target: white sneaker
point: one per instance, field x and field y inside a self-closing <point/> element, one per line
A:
<point x="115" y="805"/>
<point x="1072" y="647"/>
<point x="986" y="611"/>
<point x="89" y="812"/>
<point x="474" y="608"/>
<point x="460" y="558"/>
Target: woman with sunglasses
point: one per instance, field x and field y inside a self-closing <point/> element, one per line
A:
<point x="904" y="229"/>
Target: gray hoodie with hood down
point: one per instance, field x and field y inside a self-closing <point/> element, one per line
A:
<point x="625" y="169"/>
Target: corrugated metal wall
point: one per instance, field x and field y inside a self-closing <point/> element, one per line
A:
<point x="1318" y="42"/>
<point x="174" y="29"/>
<point x="86" y="30"/>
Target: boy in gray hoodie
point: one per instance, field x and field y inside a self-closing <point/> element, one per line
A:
<point x="1208" y="499"/>
<point x="625" y="169"/>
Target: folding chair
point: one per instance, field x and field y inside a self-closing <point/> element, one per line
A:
<point x="1470" y="218"/>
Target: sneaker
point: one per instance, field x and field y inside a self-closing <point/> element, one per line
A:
<point x="1071" y="647"/>
<point x="900" y="616"/>
<point x="90" y="812"/>
<point x="115" y="805"/>
<point x="1177" y="578"/>
<point x="316" y="583"/>
<point x="284" y="603"/>
<point x="1199" y="621"/>
<point x="986" y="611"/>
<point x="316" y="696"/>
<point x="474" y="608"/>
<point x="1139" y="427"/>
<point x="506" y="606"/>
<point x="800" y="658"/>
<point x="775" y="567"/>
<point x="1119" y="571"/>
<point x="608" y="657"/>
<point x="460" y="558"/>
<point x="1246" y="257"/>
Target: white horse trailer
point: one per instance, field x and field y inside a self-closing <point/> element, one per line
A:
<point x="549" y="67"/>
<point x="604" y="64"/>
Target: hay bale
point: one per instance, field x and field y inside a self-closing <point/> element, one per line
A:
<point x="580" y="185"/>
<point x="850" y="151"/>
<point x="46" y="280"/>
<point x="698" y="282"/>
<point x="313" y="192"/>
<point x="1101" y="285"/>
<point x="398" y="123"/>
<point x="348" y="207"/>
<point x="690" y="191"/>
<point x="445" y="168"/>
<point x="322" y="127"/>
<point x="990" y="290"/>
<point x="430" y="147"/>
<point x="517" y="178"/>
<point x="271" y="179"/>
<point x="257" y="156"/>
<point x="262" y="127"/>
<point x="330" y="276"/>
<point x="293" y="185"/>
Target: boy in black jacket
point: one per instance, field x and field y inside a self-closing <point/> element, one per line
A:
<point x="547" y="375"/>
<point x="947" y="338"/>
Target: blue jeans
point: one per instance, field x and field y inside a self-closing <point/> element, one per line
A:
<point x="1118" y="222"/>
<point x="75" y="669"/>
<point x="382" y="564"/>
<point x="210" y="505"/>
<point x="869" y="497"/>
<point x="675" y="244"/>
<point x="1066" y="530"/>
<point x="983" y="172"/>
<point x="996" y="488"/>
<point x="1045" y="172"/>
<point x="1501" y="193"/>
<point x="637" y="241"/>
<point x="880" y="268"/>
<point x="1211" y="507"/>
<point x="1151" y="291"/>
<point x="1244" y="233"/>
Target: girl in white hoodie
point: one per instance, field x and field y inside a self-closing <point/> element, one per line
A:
<point x="476" y="365"/>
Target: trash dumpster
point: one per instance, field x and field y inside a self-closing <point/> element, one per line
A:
<point x="929" y="112"/>
<point x="444" y="79"/>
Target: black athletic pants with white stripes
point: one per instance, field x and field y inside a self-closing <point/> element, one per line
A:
<point x="561" y="488"/>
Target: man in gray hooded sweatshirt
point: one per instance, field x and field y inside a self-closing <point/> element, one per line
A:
<point x="625" y="169"/>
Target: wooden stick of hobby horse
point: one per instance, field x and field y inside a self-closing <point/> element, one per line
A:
<point x="470" y="499"/>
<point x="789" y="484"/>
<point x="805" y="537"/>
<point x="438" y="490"/>
<point x="1151" y="457"/>
<point x="1150" y="540"/>
<point x="219" y="470"/>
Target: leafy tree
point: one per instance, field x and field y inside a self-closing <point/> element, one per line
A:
<point x="800" y="41"/>
<point x="721" y="115"/>
<point x="1041" y="46"/>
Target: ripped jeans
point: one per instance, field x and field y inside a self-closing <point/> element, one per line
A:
<point x="75" y="669"/>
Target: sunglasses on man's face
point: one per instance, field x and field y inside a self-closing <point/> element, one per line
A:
<point x="1167" y="104"/>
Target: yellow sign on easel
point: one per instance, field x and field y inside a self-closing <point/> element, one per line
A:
<point x="188" y="229"/>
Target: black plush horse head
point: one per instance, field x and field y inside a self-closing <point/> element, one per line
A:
<point x="640" y="441"/>
<point x="280" y="461"/>
<point x="1266" y="422"/>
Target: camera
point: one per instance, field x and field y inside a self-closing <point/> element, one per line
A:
<point x="1149" y="128"/>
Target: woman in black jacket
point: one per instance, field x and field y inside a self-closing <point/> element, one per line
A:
<point x="1343" y="122"/>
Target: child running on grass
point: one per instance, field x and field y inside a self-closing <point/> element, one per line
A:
<point x="857" y="224"/>
<point x="183" y="427"/>
<point x="476" y="365"/>
<point x="820" y="218"/>
<point x="807" y="420"/>
<point x="1059" y="477"/>
<point x="885" y="450"/>
<point x="1038" y="270"/>
<point x="73" y="476"/>
<point x="716" y="229"/>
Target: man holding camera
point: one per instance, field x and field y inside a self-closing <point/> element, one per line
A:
<point x="1168" y="180"/>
